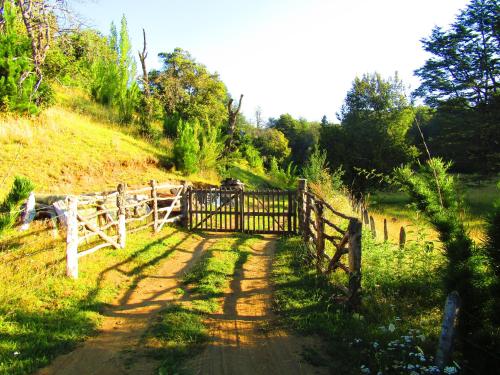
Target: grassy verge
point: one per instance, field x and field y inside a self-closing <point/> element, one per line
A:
<point x="478" y="199"/>
<point x="43" y="313"/>
<point x="401" y="310"/>
<point x="180" y="331"/>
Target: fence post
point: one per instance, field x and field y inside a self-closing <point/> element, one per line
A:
<point x="307" y="219"/>
<point x="242" y="209"/>
<point x="402" y="238"/>
<point x="354" y="230"/>
<point x="445" y="347"/>
<point x="72" y="238"/>
<point x="320" y="230"/>
<point x="366" y="220"/>
<point x="120" y="203"/>
<point x="154" y="196"/>
<point x="372" y="227"/>
<point x="386" y="232"/>
<point x="184" y="204"/>
<point x="302" y="188"/>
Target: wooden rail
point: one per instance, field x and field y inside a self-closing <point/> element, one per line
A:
<point x="320" y="223"/>
<point x="103" y="220"/>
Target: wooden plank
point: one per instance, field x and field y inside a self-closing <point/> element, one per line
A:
<point x="154" y="196"/>
<point x="167" y="214"/>
<point x="99" y="232"/>
<point x="289" y="212"/>
<point x="93" y="250"/>
<point x="72" y="238"/>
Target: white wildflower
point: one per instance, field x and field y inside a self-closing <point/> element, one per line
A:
<point x="391" y="327"/>
<point x="450" y="370"/>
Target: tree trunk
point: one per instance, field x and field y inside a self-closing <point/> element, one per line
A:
<point x="231" y="128"/>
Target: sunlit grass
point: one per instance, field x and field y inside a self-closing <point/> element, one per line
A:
<point x="43" y="312"/>
<point x="77" y="147"/>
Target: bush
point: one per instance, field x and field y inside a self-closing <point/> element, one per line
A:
<point x="211" y="148"/>
<point x="10" y="207"/>
<point x="283" y="178"/>
<point x="187" y="147"/>
<point x="252" y="155"/>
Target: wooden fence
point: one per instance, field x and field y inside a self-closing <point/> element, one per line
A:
<point x="99" y="221"/>
<point x="320" y="223"/>
<point x="237" y="210"/>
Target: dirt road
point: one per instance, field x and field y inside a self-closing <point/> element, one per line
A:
<point x="241" y="341"/>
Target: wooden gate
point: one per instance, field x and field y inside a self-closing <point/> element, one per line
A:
<point x="235" y="210"/>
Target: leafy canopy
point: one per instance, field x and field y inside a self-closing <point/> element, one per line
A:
<point x="465" y="63"/>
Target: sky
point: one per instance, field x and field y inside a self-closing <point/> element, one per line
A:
<point x="285" y="56"/>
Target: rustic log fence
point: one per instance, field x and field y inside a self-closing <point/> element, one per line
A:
<point x="319" y="224"/>
<point x="99" y="221"/>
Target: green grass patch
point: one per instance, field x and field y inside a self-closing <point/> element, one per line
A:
<point x="178" y="334"/>
<point x="44" y="313"/>
<point x="402" y="302"/>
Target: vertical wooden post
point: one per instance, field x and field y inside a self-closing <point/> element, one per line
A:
<point x="307" y="218"/>
<point x="372" y="227"/>
<point x="154" y="196"/>
<point x="242" y="209"/>
<point x="320" y="243"/>
<point x="120" y="203"/>
<point x="445" y="347"/>
<point x="72" y="238"/>
<point x="355" y="228"/>
<point x="185" y="204"/>
<point x="289" y="212"/>
<point x="302" y="188"/>
<point x="366" y="220"/>
<point x="402" y="238"/>
<point x="386" y="232"/>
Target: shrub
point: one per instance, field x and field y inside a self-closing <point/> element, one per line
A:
<point x="10" y="207"/>
<point x="187" y="147"/>
<point x="252" y="155"/>
<point x="211" y="148"/>
<point x="283" y="178"/>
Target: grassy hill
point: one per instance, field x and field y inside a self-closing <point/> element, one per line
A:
<point x="77" y="146"/>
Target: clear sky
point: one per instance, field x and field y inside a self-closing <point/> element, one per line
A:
<point x="286" y="56"/>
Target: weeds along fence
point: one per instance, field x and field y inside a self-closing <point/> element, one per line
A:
<point x="320" y="224"/>
<point x="362" y="211"/>
<point x="96" y="222"/>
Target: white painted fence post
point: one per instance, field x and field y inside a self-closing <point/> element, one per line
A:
<point x="72" y="238"/>
<point x="120" y="202"/>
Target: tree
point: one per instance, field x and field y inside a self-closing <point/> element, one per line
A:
<point x="259" y="122"/>
<point x="465" y="63"/>
<point x="187" y="89"/>
<point x="16" y="79"/>
<point x="231" y="124"/>
<point x="324" y="121"/>
<point x="376" y="117"/>
<point x="302" y="135"/>
<point x="272" y="143"/>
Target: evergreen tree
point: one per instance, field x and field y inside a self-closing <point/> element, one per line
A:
<point x="16" y="69"/>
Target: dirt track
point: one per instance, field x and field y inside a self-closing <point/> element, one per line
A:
<point x="241" y="341"/>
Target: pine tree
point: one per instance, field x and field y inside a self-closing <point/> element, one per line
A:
<point x="16" y="77"/>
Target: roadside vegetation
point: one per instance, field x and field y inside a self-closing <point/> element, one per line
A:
<point x="43" y="312"/>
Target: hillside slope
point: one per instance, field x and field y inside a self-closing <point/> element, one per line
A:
<point x="77" y="147"/>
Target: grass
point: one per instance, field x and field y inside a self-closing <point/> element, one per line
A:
<point x="77" y="147"/>
<point x="478" y="199"/>
<point x="401" y="294"/>
<point x="180" y="330"/>
<point x="44" y="313"/>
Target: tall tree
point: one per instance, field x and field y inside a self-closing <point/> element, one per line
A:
<point x="231" y="123"/>
<point x="465" y="65"/>
<point x="186" y="88"/>
<point x="376" y="117"/>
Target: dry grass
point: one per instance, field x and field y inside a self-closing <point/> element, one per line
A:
<point x="75" y="147"/>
